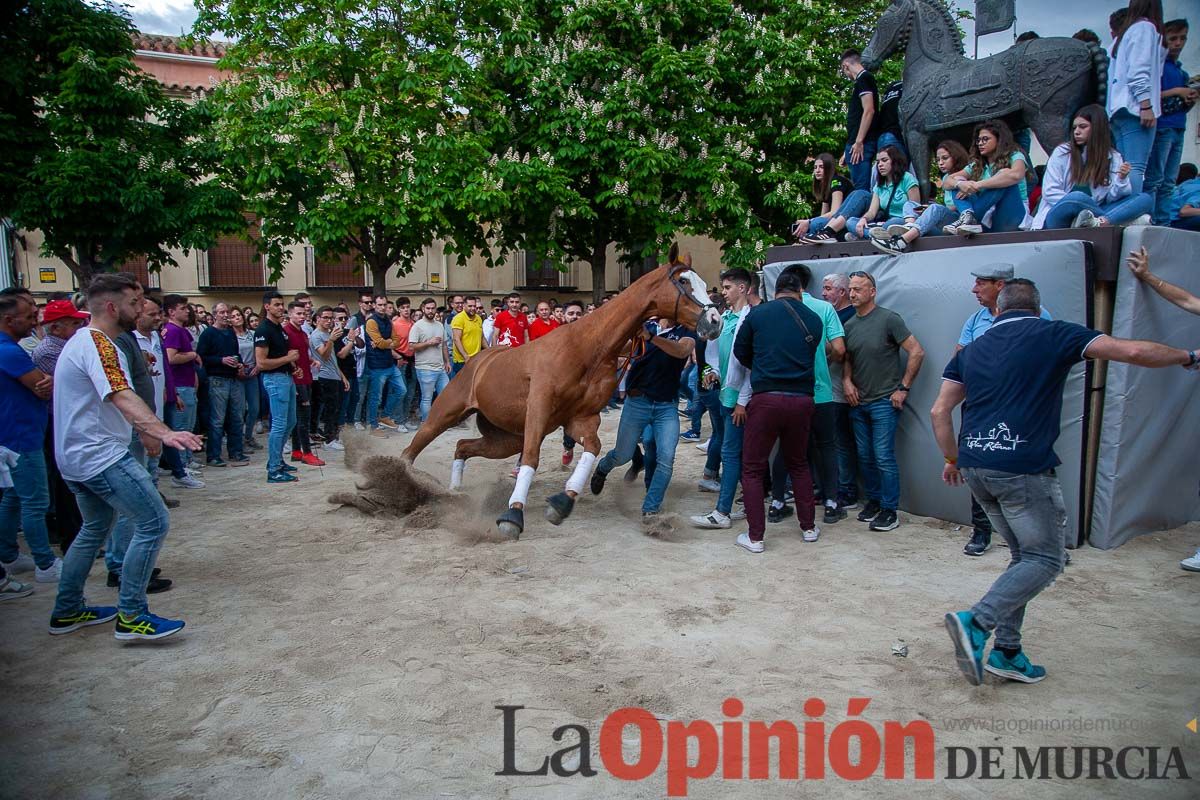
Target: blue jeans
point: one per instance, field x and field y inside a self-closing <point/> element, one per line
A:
<point x="710" y="401"/>
<point x="1028" y="511"/>
<point x="1010" y="208"/>
<point x="281" y="394"/>
<point x="695" y="411"/>
<point x="349" y="401"/>
<point x="122" y="531"/>
<point x="433" y="381"/>
<point x="1135" y="143"/>
<point x="847" y="455"/>
<point x="860" y="173"/>
<point x="252" y="392"/>
<point x="1161" y="171"/>
<point x="731" y="460"/>
<point x="184" y="420"/>
<point x="664" y="419"/>
<point x="875" y="440"/>
<point x="853" y="206"/>
<point x="227" y="411"/>
<point x="1118" y="212"/>
<point x="376" y="378"/>
<point x="26" y="503"/>
<point x="931" y="221"/>
<point x="123" y="488"/>
<point x="890" y="139"/>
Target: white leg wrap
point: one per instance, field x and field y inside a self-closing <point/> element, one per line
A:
<point x="521" y="491"/>
<point x="583" y="471"/>
<point x="456" y="473"/>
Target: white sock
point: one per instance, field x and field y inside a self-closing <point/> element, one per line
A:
<point x="777" y="504"/>
<point x="830" y="503"/>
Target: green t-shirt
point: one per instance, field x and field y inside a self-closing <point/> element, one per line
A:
<point x="988" y="172"/>
<point x="873" y="346"/>
<point x="894" y="208"/>
<point x="729" y="322"/>
<point x="831" y="328"/>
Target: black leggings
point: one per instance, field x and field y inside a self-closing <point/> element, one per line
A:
<point x="303" y="411"/>
<point x="331" y="404"/>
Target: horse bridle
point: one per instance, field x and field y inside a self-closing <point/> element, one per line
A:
<point x="680" y="292"/>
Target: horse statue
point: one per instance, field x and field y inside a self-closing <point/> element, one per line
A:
<point x="1037" y="84"/>
<point x="563" y="379"/>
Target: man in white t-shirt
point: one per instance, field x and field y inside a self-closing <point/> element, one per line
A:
<point x="431" y="360"/>
<point x="97" y="411"/>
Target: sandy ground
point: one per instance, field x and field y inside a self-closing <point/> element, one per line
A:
<point x="333" y="655"/>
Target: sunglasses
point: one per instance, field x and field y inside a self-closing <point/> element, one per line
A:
<point x="861" y="274"/>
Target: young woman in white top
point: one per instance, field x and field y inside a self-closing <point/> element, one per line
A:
<point x="1087" y="182"/>
<point x="1135" y="85"/>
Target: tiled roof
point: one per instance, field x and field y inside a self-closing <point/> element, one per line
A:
<point x="174" y="44"/>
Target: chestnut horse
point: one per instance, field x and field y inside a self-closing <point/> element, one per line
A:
<point x="563" y="379"/>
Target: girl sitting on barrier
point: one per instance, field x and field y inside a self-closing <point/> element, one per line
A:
<point x="927" y="220"/>
<point x="830" y="191"/>
<point x="993" y="181"/>
<point x="1087" y="182"/>
<point x="894" y="186"/>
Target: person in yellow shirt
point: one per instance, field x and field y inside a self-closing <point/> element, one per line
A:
<point x="467" y="327"/>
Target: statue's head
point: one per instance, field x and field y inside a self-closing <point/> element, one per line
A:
<point x="891" y="33"/>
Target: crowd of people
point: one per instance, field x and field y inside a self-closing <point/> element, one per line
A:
<point x="1121" y="164"/>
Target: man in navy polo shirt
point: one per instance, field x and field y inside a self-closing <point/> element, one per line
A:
<point x="650" y="390"/>
<point x="24" y="390"/>
<point x="1010" y="384"/>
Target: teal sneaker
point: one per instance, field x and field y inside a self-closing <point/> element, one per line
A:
<point x="88" y="615"/>
<point x="146" y="626"/>
<point x="969" y="641"/>
<point x="1016" y="668"/>
<point x="281" y="477"/>
<point x="286" y="467"/>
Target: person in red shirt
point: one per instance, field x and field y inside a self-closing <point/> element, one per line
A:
<point x="303" y="378"/>
<point x="512" y="327"/>
<point x="544" y="323"/>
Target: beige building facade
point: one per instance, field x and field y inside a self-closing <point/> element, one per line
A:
<point x="234" y="272"/>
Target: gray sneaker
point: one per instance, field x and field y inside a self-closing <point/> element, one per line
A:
<point x="22" y="563"/>
<point x="11" y="589"/>
<point x="188" y="481"/>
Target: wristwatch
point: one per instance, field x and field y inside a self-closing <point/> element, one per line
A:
<point x="903" y="388"/>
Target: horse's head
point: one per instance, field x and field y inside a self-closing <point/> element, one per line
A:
<point x="891" y="33"/>
<point x="680" y="294"/>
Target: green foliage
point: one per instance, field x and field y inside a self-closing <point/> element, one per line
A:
<point x="344" y="127"/>
<point x="663" y="116"/>
<point x="94" y="154"/>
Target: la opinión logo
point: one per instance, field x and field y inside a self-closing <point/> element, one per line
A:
<point x="735" y="748"/>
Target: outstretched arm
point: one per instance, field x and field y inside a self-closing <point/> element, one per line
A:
<point x="1139" y="265"/>
<point x="1139" y="352"/>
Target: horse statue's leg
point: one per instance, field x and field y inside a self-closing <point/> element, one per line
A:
<point x="586" y="431"/>
<point x="918" y="149"/>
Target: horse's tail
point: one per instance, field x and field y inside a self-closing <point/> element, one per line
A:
<point x="1100" y="67"/>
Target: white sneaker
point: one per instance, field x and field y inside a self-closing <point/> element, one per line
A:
<point x="50" y="574"/>
<point x="188" y="481"/>
<point x="743" y="541"/>
<point x="813" y="535"/>
<point x="738" y="514"/>
<point x="1192" y="564"/>
<point x="192" y="472"/>
<point x="358" y="426"/>
<point x="703" y="446"/>
<point x="709" y="485"/>
<point x="711" y="521"/>
<point x="402" y="428"/>
<point x="334" y="445"/>
<point x="1085" y="219"/>
<point x="1144" y="219"/>
<point x="11" y="590"/>
<point x="22" y="563"/>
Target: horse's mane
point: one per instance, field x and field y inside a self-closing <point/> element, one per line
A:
<point x="951" y="23"/>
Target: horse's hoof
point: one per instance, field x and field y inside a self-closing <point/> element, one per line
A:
<point x="559" y="507"/>
<point x="511" y="523"/>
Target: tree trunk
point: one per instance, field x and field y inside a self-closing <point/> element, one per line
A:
<point x="83" y="268"/>
<point x="379" y="279"/>
<point x="599" y="262"/>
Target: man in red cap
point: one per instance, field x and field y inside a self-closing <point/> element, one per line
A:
<point x="60" y="320"/>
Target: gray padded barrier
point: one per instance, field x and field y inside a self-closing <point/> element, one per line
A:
<point x="932" y="292"/>
<point x="1149" y="461"/>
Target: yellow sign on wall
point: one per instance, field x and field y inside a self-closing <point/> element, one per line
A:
<point x="435" y="277"/>
<point x="48" y="275"/>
